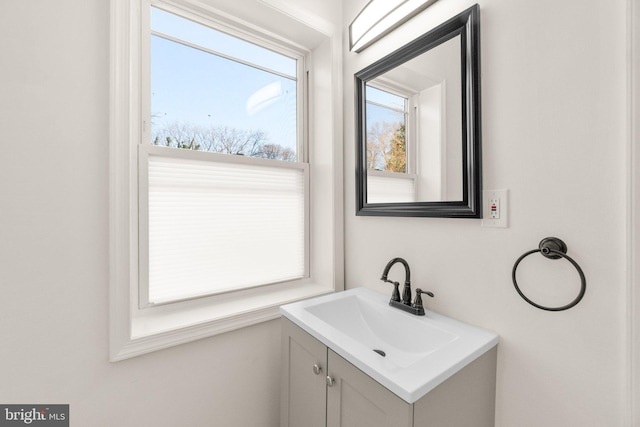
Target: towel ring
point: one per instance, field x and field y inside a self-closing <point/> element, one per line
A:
<point x="552" y="248"/>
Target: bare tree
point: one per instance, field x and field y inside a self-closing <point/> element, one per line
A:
<point x="278" y="152"/>
<point x="220" y="139"/>
<point x="381" y="152"/>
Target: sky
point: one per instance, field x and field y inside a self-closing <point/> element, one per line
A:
<point x="383" y="106"/>
<point x="190" y="85"/>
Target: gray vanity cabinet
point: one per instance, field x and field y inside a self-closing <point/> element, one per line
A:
<point x="357" y="400"/>
<point x="304" y="363"/>
<point x="320" y="388"/>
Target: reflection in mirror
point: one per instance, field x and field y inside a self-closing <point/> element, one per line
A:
<point x="414" y="138"/>
<point x="418" y="126"/>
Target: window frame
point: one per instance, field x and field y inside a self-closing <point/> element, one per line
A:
<point x="217" y="25"/>
<point x="410" y="122"/>
<point x="135" y="330"/>
<point x="146" y="149"/>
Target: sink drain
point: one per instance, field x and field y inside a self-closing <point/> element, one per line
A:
<point x="380" y="352"/>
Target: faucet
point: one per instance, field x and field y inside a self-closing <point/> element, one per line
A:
<point x="406" y="305"/>
<point x="406" y="291"/>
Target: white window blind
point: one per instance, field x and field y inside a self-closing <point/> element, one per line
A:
<point x="387" y="188"/>
<point x="219" y="226"/>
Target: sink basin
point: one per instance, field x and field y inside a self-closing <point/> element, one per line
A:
<point x="375" y="326"/>
<point x="408" y="354"/>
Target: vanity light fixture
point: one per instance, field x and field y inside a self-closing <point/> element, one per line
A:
<point x="379" y="17"/>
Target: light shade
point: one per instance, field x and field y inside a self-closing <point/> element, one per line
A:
<point x="216" y="227"/>
<point x="391" y="187"/>
<point x="380" y="17"/>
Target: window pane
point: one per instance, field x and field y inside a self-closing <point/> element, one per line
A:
<point x="208" y="102"/>
<point x="218" y="226"/>
<point x="386" y="99"/>
<point x="386" y="139"/>
<point x="217" y="41"/>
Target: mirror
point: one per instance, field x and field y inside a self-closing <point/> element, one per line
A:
<point x="418" y="126"/>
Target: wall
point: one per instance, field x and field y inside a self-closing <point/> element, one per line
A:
<point x="54" y="260"/>
<point x="558" y="147"/>
<point x="553" y="91"/>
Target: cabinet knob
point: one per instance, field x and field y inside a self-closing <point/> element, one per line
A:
<point x="330" y="381"/>
<point x="317" y="369"/>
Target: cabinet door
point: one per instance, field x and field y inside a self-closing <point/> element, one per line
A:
<point x="467" y="399"/>
<point x="304" y="362"/>
<point x="356" y="400"/>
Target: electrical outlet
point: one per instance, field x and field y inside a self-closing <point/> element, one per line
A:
<point x="495" y="207"/>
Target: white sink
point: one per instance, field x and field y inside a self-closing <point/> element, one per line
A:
<point x="420" y="352"/>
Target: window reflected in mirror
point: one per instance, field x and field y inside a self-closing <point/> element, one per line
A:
<point x="389" y="173"/>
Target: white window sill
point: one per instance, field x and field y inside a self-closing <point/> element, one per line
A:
<point x="165" y="326"/>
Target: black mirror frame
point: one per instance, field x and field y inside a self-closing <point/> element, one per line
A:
<point x="467" y="25"/>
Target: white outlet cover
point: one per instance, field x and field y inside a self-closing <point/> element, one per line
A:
<point x="503" y="197"/>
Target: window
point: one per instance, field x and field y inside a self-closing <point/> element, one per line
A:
<point x="237" y="218"/>
<point x="212" y="193"/>
<point x="386" y="125"/>
<point x="390" y="171"/>
<point x="212" y="91"/>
